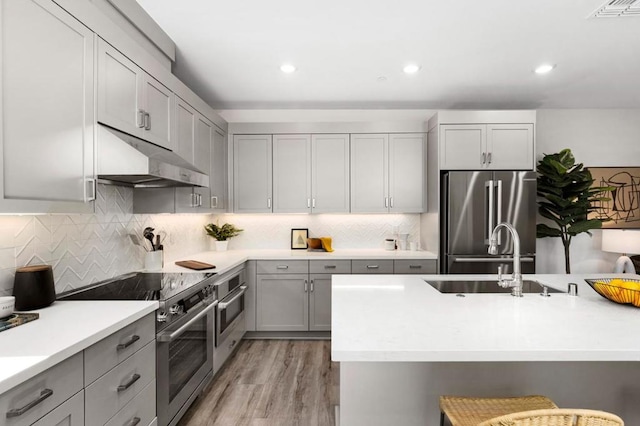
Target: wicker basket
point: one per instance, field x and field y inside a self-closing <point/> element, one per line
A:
<point x="607" y="288"/>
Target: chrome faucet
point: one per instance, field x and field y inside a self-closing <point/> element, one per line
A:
<point x="516" y="278"/>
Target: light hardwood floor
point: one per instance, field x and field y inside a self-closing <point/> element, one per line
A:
<point x="271" y="383"/>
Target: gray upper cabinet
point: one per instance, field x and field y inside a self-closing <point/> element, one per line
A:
<point x="218" y="178"/>
<point x="330" y="173"/>
<point x="47" y="96"/>
<point x="132" y="101"/>
<point x="202" y="160"/>
<point x="291" y="173"/>
<point x="185" y="132"/>
<point x="407" y="159"/>
<point x="369" y="173"/>
<point x="388" y="173"/>
<point x="252" y="177"/>
<point x="487" y="146"/>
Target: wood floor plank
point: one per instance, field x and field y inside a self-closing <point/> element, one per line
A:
<point x="271" y="383"/>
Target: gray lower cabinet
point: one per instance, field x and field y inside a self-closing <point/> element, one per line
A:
<point x="282" y="302"/>
<point x="319" y="302"/>
<point x="417" y="266"/>
<point x="250" y="295"/>
<point x="373" y="266"/>
<point x="70" y="413"/>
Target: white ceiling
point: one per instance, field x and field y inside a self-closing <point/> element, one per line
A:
<point x="474" y="54"/>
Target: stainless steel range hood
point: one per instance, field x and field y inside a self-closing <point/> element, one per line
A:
<point x="128" y="160"/>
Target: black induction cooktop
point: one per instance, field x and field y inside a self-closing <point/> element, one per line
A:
<point x="138" y="286"/>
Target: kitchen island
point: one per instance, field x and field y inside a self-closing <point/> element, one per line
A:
<point x="401" y="344"/>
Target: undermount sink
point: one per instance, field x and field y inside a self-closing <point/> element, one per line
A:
<point x="479" y="286"/>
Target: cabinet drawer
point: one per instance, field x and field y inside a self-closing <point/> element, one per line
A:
<point x="109" y="352"/>
<point x="283" y="267"/>
<point x="140" y="411"/>
<point x="111" y="392"/>
<point x="70" y="413"/>
<point x="330" y="266"/>
<point x="51" y="388"/>
<point x="417" y="266"/>
<point x="372" y="266"/>
<point x="222" y="352"/>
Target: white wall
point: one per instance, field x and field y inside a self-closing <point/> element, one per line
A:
<point x="597" y="138"/>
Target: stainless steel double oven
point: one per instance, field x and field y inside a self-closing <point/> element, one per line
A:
<point x="230" y="318"/>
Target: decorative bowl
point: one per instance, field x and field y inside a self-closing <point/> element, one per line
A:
<point x="620" y="290"/>
<point x="7" y="304"/>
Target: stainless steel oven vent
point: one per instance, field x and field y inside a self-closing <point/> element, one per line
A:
<point x="617" y="9"/>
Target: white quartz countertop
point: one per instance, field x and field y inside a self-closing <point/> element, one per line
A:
<point x="63" y="329"/>
<point x="402" y="318"/>
<point x="226" y="260"/>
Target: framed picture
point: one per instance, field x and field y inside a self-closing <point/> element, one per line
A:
<point x="622" y="211"/>
<point x="299" y="239"/>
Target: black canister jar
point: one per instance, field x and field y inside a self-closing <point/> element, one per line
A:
<point x="33" y="287"/>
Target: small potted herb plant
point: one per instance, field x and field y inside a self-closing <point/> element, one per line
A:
<point x="222" y="234"/>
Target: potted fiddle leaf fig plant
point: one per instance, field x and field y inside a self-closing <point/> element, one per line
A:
<point x="566" y="197"/>
<point x="222" y="234"/>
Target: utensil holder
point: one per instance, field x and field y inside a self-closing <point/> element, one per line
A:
<point x="153" y="260"/>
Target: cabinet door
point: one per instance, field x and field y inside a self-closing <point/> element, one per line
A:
<point x="510" y="146"/>
<point x="202" y="160"/>
<point x="282" y="302"/>
<point x="185" y="130"/>
<point x="320" y="302"/>
<point x="291" y="173"/>
<point x="158" y="105"/>
<point x="69" y="413"/>
<point x="463" y="146"/>
<point x="120" y="83"/>
<point x="330" y="173"/>
<point x="369" y="173"/>
<point x="252" y="173"/>
<point x="47" y="100"/>
<point x="219" y="169"/>
<point x="407" y="162"/>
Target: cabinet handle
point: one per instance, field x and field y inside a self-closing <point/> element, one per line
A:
<point x="214" y="202"/>
<point x="329" y="266"/>
<point x="313" y="203"/>
<point x="489" y="158"/>
<point x="306" y="285"/>
<point x="194" y="200"/>
<point x="308" y="203"/>
<point x="134" y="421"/>
<point x="268" y="203"/>
<point x="415" y="266"/>
<point x="199" y="200"/>
<point x="311" y="286"/>
<point x="484" y="158"/>
<point x="373" y="266"/>
<point x="140" y="118"/>
<point x="130" y="383"/>
<point x="232" y="344"/>
<point x="128" y="343"/>
<point x="391" y="202"/>
<point x="386" y="202"/>
<point x="147" y="121"/>
<point x="282" y="267"/>
<point x="16" y="412"/>
<point x="90" y="187"/>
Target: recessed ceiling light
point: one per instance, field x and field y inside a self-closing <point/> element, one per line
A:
<point x="287" y="68"/>
<point x="411" y="68"/>
<point x="544" y="68"/>
<point x="382" y="79"/>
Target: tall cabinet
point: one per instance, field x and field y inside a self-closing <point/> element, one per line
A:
<point x="388" y="173"/>
<point x="47" y="101"/>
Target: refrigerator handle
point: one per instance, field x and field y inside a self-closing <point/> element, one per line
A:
<point x="489" y="209"/>
<point x="499" y="208"/>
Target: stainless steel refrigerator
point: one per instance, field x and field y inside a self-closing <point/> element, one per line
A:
<point x="473" y="203"/>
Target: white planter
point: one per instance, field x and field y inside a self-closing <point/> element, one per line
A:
<point x="221" y="245"/>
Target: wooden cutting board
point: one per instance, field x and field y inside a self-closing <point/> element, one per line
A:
<point x="195" y="265"/>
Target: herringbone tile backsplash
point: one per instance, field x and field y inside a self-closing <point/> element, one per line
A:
<point x="84" y="249"/>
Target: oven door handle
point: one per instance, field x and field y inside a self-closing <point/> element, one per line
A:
<point x="169" y="337"/>
<point x="223" y="305"/>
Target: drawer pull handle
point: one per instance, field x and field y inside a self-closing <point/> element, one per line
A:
<point x="233" y="343"/>
<point x="329" y="266"/>
<point x="415" y="266"/>
<point x="282" y="267"/>
<point x="16" y="412"/>
<point x="127" y="385"/>
<point x="134" y="421"/>
<point x="373" y="266"/>
<point x="128" y="343"/>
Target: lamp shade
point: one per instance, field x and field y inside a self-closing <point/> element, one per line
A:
<point x="621" y="241"/>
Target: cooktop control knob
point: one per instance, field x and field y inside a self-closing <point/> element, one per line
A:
<point x="161" y="316"/>
<point x="175" y="310"/>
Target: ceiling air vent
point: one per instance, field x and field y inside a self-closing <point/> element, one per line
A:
<point x="617" y="8"/>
